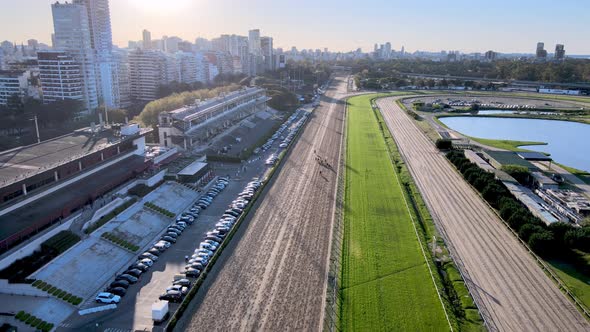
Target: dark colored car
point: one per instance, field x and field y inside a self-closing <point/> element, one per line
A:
<point x="182" y="282"/>
<point x="118" y="291"/>
<point x="171" y="234"/>
<point x="232" y="213"/>
<point x="173" y="230"/>
<point x="192" y="273"/>
<point x="172" y="297"/>
<point x="134" y="272"/>
<point x="119" y="283"/>
<point x="139" y="266"/>
<point x="168" y="238"/>
<point x="127" y="277"/>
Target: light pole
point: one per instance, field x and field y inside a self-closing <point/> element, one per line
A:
<point x="36" y="128"/>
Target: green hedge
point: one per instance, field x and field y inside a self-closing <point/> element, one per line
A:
<point x="59" y="293"/>
<point x="159" y="209"/>
<point x="142" y="190"/>
<point x="18" y="271"/>
<point x="109" y="216"/>
<point x="120" y="242"/>
<point x="223" y="159"/>
<point x="33" y="321"/>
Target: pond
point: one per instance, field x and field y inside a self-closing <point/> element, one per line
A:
<point x="568" y="142"/>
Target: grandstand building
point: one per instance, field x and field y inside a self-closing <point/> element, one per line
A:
<point x="44" y="183"/>
<point x="195" y="124"/>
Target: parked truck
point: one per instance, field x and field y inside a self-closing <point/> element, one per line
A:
<point x="159" y="311"/>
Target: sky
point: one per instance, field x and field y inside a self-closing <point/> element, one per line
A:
<point x="507" y="26"/>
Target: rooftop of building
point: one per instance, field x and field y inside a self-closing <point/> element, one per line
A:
<point x="543" y="179"/>
<point x="27" y="216"/>
<point x="193" y="168"/>
<point x="186" y="112"/>
<point x="509" y="158"/>
<point x="535" y="156"/>
<point x="12" y="73"/>
<point x="22" y="162"/>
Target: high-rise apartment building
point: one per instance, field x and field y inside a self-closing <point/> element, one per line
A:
<point x="559" y="52"/>
<point x="61" y="76"/>
<point x="254" y="42"/>
<point x="147" y="71"/>
<point x="266" y="46"/>
<point x="72" y="35"/>
<point x="121" y="68"/>
<point x="147" y="40"/>
<point x="541" y="53"/>
<point x="101" y="39"/>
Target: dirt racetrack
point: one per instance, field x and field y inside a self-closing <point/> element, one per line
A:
<point x="509" y="286"/>
<point x="272" y="276"/>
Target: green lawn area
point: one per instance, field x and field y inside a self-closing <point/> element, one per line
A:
<point x="506" y="144"/>
<point x="577" y="282"/>
<point x="386" y="284"/>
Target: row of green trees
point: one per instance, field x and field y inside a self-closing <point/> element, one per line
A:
<point x="149" y="115"/>
<point x="568" y="71"/>
<point x="555" y="240"/>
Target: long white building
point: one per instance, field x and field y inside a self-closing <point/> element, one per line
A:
<point x="195" y="124"/>
<point x="147" y="71"/>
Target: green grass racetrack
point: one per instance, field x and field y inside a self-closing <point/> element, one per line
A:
<point x="386" y="283"/>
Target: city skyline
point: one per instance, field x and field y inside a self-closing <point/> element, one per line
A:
<point x="336" y="25"/>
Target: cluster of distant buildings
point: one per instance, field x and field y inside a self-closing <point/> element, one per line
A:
<point x="82" y="63"/>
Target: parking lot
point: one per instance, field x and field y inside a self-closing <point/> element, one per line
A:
<point x="134" y="311"/>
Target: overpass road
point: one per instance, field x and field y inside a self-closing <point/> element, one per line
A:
<point x="508" y="285"/>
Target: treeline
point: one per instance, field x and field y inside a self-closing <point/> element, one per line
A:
<point x="149" y="114"/>
<point x="568" y="71"/>
<point x="556" y="240"/>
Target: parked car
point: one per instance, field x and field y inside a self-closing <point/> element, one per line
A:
<point x="118" y="291"/>
<point x="172" y="234"/>
<point x="139" y="265"/>
<point x="182" y="282"/>
<point x="208" y="246"/>
<point x="182" y="289"/>
<point x="154" y="251"/>
<point x="107" y="298"/>
<point x="127" y="277"/>
<point x="147" y="262"/>
<point x="134" y="272"/>
<point x="206" y="251"/>
<point x="192" y="273"/>
<point x="119" y="283"/>
<point x="211" y="242"/>
<point x="171" y="297"/>
<point x="166" y="244"/>
<point x="214" y="238"/>
<point x="148" y="255"/>
<point x="194" y="265"/>
<point x="175" y="231"/>
<point x="168" y="239"/>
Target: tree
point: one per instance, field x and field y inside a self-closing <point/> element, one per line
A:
<point x="527" y="230"/>
<point x="444" y="144"/>
<point x="493" y="192"/>
<point x="519" y="173"/>
<point x="542" y="242"/>
<point x="117" y="116"/>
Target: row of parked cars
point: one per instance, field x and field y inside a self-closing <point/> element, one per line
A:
<point x="212" y="241"/>
<point x="200" y="258"/>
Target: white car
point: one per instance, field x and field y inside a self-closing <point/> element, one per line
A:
<point x="147" y="261"/>
<point x="107" y="298"/>
<point x="283" y="145"/>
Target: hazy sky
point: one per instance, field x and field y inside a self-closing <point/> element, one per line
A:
<point x="466" y="25"/>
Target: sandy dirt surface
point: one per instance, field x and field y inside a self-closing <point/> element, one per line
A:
<point x="509" y="286"/>
<point x="272" y="277"/>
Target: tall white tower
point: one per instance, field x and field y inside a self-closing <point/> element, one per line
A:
<point x="101" y="38"/>
<point x="72" y="35"/>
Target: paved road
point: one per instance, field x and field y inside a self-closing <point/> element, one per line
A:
<point x="508" y="283"/>
<point x="134" y="312"/>
<point x="273" y="275"/>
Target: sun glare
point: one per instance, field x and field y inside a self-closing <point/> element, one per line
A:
<point x="160" y="6"/>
